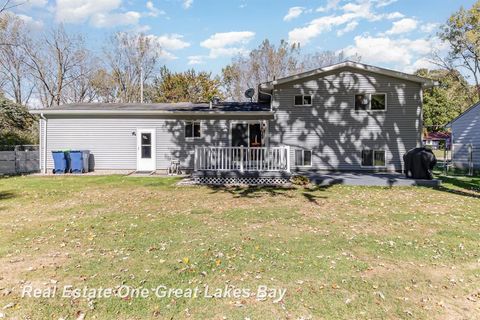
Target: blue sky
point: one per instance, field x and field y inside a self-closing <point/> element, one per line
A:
<point x="205" y="34"/>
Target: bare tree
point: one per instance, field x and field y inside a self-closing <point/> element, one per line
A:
<point x="132" y="60"/>
<point x="57" y="61"/>
<point x="268" y="62"/>
<point x="324" y="58"/>
<point x="8" y="4"/>
<point x="462" y="35"/>
<point x="13" y="67"/>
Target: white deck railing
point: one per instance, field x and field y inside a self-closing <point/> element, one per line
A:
<point x="242" y="159"/>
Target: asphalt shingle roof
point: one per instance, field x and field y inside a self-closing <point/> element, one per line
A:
<point x="172" y="107"/>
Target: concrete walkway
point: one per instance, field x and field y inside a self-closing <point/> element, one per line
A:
<point x="369" y="179"/>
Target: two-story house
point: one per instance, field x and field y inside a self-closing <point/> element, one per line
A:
<point x="344" y="117"/>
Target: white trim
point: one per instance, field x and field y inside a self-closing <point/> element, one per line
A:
<point x="303" y="158"/>
<point x="303" y="98"/>
<point x="369" y="109"/>
<point x="373" y="159"/>
<point x="426" y="83"/>
<point x="193" y="129"/>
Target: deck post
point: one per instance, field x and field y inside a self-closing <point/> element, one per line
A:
<point x="195" y="159"/>
<point x="241" y="158"/>
<point x="288" y="158"/>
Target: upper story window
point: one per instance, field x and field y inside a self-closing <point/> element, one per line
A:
<point x="371" y="101"/>
<point x="303" y="100"/>
<point x="192" y="129"/>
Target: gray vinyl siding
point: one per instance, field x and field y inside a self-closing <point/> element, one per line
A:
<point x="335" y="132"/>
<point x="113" y="146"/>
<point x="466" y="130"/>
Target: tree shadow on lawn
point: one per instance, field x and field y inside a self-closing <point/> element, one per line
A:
<point x="261" y="191"/>
<point x="5" y="195"/>
<point x="473" y="186"/>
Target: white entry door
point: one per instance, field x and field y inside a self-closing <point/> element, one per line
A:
<point x="146" y="150"/>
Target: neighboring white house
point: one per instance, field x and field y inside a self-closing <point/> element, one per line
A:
<point x="434" y="140"/>
<point x="466" y="138"/>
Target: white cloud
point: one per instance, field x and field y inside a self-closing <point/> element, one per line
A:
<point x="81" y="10"/>
<point x="348" y="28"/>
<point x="422" y="63"/>
<point x="30" y="23"/>
<point x="403" y="26"/>
<point x="101" y="20"/>
<point x="100" y="13"/>
<point x="187" y="4"/>
<point x="351" y="12"/>
<point x="152" y="10"/>
<point x="384" y="3"/>
<point x="172" y="41"/>
<point x="346" y="17"/>
<point x="167" y="55"/>
<point x="402" y="52"/>
<point x="393" y="15"/>
<point x="193" y="60"/>
<point x="331" y="4"/>
<point x="228" y="43"/>
<point x="141" y="29"/>
<point x="168" y="43"/>
<point x="429" y="27"/>
<point x="293" y="13"/>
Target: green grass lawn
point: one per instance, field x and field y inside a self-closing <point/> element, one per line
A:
<point x="340" y="252"/>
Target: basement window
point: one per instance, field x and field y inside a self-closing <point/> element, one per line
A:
<point x="303" y="158"/>
<point x="373" y="158"/>
<point x="303" y="100"/>
<point x="192" y="129"/>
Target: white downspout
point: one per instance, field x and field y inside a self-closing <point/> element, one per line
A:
<point x="44" y="144"/>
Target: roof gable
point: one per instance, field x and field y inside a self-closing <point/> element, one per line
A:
<point x="470" y="109"/>
<point x="426" y="83"/>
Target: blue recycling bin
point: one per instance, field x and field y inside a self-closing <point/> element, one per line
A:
<point x="76" y="162"/>
<point x="60" y="161"/>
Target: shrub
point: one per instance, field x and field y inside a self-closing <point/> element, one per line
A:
<point x="300" y="180"/>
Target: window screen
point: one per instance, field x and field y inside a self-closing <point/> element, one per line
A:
<point x="307" y="100"/>
<point x="303" y="157"/>
<point x="361" y="102"/>
<point x="298" y="100"/>
<point x="367" y="158"/>
<point x="373" y="158"/>
<point x="192" y="129"/>
<point x="379" y="158"/>
<point x="378" y="102"/>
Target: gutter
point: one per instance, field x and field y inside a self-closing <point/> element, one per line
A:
<point x="148" y="112"/>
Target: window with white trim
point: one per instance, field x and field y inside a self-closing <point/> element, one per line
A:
<point x="192" y="129"/>
<point x="303" y="100"/>
<point x="373" y="158"/>
<point x="371" y="101"/>
<point x="303" y="158"/>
